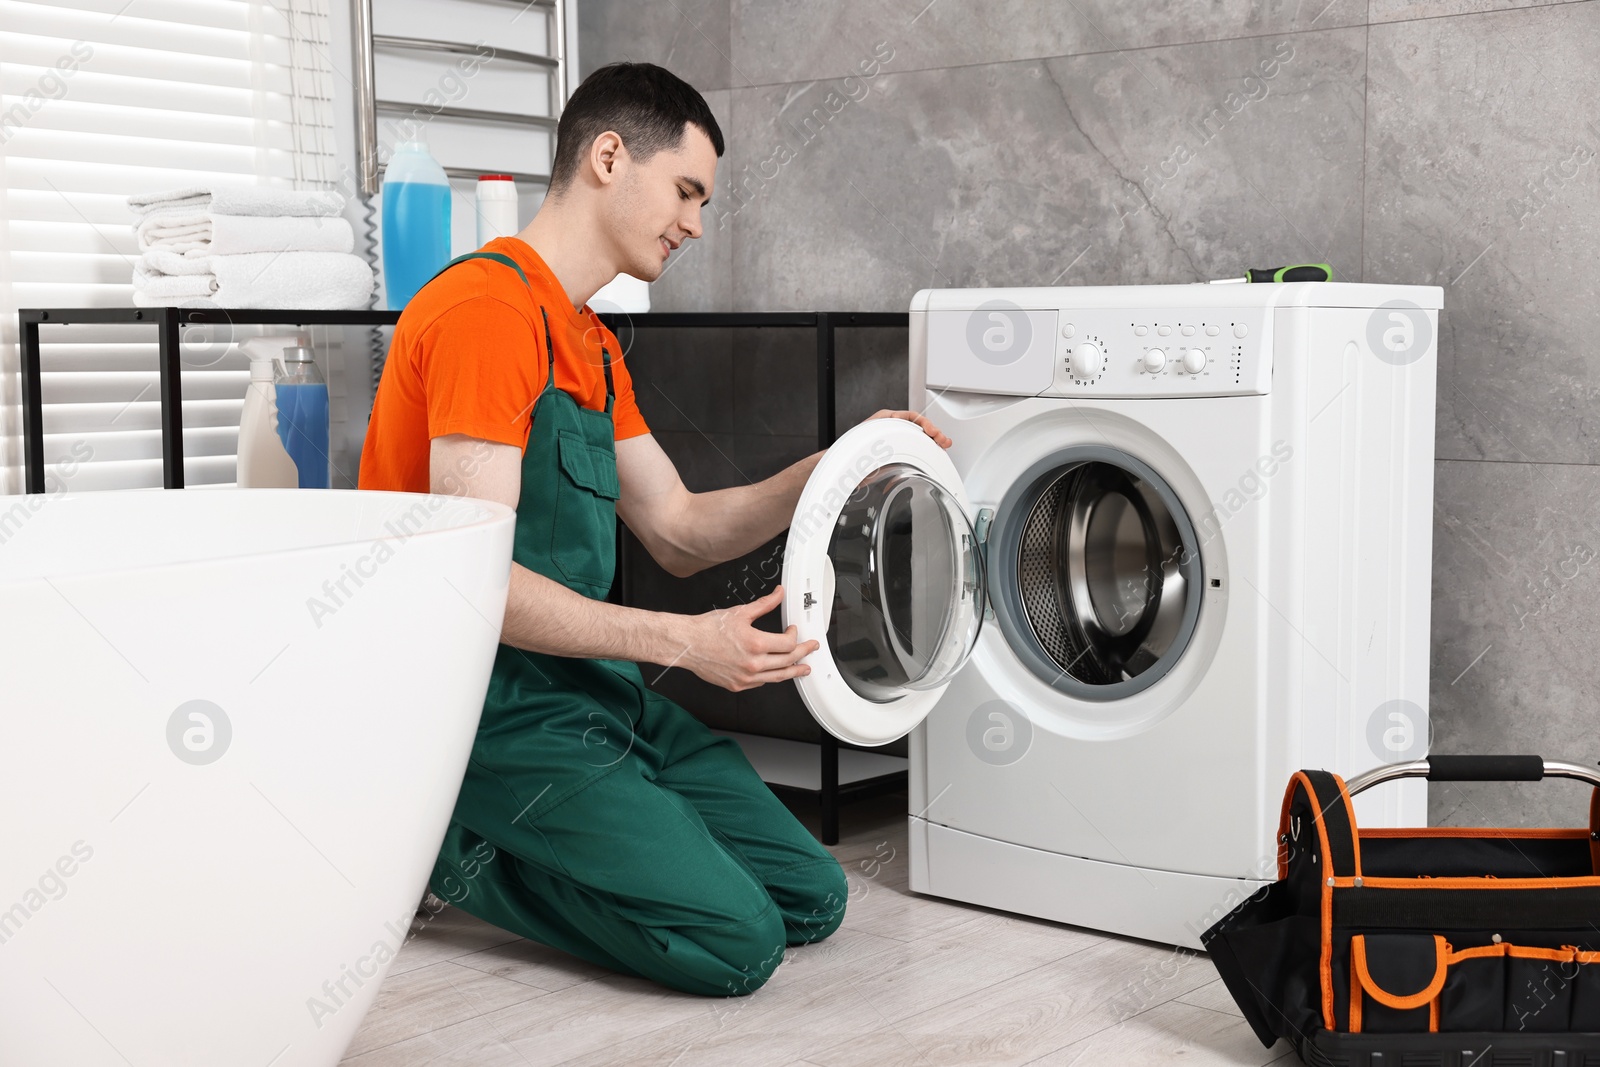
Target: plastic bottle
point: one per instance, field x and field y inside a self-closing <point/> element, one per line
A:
<point x="416" y="221"/>
<point x="497" y="207"/>
<point x="263" y="461"/>
<point x="303" y="415"/>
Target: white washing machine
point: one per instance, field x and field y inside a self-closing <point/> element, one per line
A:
<point x="1180" y="547"/>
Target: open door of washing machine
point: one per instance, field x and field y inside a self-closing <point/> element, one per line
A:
<point x="883" y="569"/>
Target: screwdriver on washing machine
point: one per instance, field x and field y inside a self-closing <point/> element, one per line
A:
<point x="1300" y="272"/>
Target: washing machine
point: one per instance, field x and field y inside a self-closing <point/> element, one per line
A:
<point x="1179" y="547"/>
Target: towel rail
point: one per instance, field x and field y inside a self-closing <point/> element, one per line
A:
<point x="366" y="93"/>
<point x="472" y="173"/>
<point x="421" y="44"/>
<point x="544" y="122"/>
<point x="368" y="105"/>
<point x="564" y="66"/>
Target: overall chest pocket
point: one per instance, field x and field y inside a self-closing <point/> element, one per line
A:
<point x="583" y="542"/>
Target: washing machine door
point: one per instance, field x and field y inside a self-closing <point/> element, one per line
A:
<point x="882" y="568"/>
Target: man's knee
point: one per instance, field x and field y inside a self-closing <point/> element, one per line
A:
<point x="811" y="900"/>
<point x="819" y="893"/>
<point x="753" y="950"/>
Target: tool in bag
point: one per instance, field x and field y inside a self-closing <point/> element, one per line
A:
<point x="1422" y="946"/>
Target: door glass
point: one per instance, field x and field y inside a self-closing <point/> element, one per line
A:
<point x="908" y="585"/>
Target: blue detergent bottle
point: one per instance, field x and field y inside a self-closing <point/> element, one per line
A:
<point x="302" y="399"/>
<point x="416" y="220"/>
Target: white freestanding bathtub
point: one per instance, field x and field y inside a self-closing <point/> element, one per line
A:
<point x="233" y="723"/>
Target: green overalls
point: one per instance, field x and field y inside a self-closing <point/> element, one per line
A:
<point x="598" y="816"/>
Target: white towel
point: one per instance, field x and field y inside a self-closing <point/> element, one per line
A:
<point x="300" y="280"/>
<point x="242" y="200"/>
<point x="165" y="261"/>
<point x="212" y="233"/>
<point x="176" y="286"/>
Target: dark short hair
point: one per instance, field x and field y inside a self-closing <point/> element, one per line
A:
<point x="646" y="105"/>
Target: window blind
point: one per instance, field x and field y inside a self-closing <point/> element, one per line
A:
<point x="100" y="99"/>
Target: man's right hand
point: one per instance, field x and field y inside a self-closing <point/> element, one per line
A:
<point x="725" y="647"/>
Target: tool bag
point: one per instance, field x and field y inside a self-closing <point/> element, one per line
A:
<point x="1422" y="947"/>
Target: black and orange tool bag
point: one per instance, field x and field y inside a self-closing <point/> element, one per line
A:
<point x="1422" y="947"/>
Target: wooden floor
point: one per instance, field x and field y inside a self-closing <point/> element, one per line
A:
<point x="907" y="980"/>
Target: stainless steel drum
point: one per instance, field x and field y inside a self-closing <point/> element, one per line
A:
<point x="1096" y="573"/>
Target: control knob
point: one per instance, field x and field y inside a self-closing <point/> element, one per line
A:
<point x="1155" y="360"/>
<point x="1087" y="360"/>
<point x="1194" y="361"/>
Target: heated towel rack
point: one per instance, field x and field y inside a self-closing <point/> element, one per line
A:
<point x="369" y="105"/>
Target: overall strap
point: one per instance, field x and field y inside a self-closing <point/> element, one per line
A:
<point x="496" y="256"/>
<point x="549" y="348"/>
<point x="549" y="353"/>
<point x="610" y="393"/>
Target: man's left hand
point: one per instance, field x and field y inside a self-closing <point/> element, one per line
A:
<point x="921" y="420"/>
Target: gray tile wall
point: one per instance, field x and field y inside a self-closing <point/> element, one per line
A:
<point x="879" y="147"/>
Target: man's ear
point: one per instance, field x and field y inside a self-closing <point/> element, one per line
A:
<point x="605" y="153"/>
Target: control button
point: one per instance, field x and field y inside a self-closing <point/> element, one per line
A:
<point x="1086" y="361"/>
<point x="1068" y="330"/>
<point x="1163" y="330"/>
<point x="1194" y="361"/>
<point x="1240" y="329"/>
<point x="1155" y="360"/>
<point x="1212" y="331"/>
<point x="1188" y="331"/>
<point x="1140" y="331"/>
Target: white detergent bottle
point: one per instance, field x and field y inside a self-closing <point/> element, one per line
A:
<point x="263" y="461"/>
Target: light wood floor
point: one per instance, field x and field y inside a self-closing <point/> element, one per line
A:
<point x="908" y="980"/>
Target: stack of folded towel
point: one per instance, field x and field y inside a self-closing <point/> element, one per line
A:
<point x="247" y="248"/>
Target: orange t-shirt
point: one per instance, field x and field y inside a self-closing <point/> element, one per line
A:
<point x="468" y="357"/>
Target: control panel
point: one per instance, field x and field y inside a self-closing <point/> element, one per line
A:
<point x="1132" y="353"/>
<point x="1002" y="349"/>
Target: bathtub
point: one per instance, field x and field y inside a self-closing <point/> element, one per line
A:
<point x="234" y="723"/>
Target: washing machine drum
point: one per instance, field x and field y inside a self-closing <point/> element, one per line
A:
<point x="1104" y="581"/>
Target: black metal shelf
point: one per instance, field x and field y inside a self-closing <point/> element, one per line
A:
<point x="167" y="321"/>
<point x="170" y="320"/>
<point x="154" y="316"/>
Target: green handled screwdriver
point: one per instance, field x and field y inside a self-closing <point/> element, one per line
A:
<point x="1300" y="272"/>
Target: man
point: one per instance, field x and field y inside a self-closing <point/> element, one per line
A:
<point x="596" y="815"/>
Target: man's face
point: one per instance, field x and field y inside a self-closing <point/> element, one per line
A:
<point x="657" y="204"/>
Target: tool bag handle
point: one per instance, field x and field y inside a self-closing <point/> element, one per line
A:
<point x="1319" y="802"/>
<point x="1474" y="769"/>
<point x="1317" y="820"/>
<point x="1468" y="769"/>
